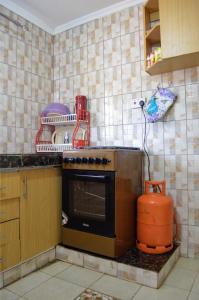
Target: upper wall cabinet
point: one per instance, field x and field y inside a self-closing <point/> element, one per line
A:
<point x="171" y="29"/>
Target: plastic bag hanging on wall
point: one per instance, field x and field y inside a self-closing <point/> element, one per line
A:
<point x="159" y="103"/>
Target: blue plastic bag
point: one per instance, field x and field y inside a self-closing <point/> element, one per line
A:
<point x="158" y="104"/>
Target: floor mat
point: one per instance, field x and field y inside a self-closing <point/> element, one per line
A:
<point x="93" y="295"/>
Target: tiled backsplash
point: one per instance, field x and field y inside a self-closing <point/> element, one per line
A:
<point x="103" y="60"/>
<point x="25" y="82"/>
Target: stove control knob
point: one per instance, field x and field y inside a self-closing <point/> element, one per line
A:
<point x="91" y="160"/>
<point x="105" y="161"/>
<point x="66" y="160"/>
<point x="98" y="160"/>
<point x="71" y="160"/>
<point x="78" y="160"/>
<point x="85" y="160"/>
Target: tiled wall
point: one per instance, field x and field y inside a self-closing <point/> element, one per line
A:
<point x="25" y="82"/>
<point x="103" y="60"/>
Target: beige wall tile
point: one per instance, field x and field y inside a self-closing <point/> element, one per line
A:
<point x="193" y="172"/>
<point x="192" y="101"/>
<point x="130" y="46"/>
<point x="112" y="78"/>
<point x="114" y="135"/>
<point x="112" y="52"/>
<point x="157" y="167"/>
<point x="111" y="24"/>
<point x="133" y="135"/>
<point x="131" y="80"/>
<point x="65" y="64"/>
<point x="96" y="108"/>
<point x="96" y="84"/>
<point x="80" y="60"/>
<point x="66" y="41"/>
<point x="192" y="75"/>
<point x="129" y="20"/>
<point x="97" y="136"/>
<point x="95" y="31"/>
<point x="113" y="108"/>
<point x="80" y="36"/>
<point x="176" y="171"/>
<point x="7" y="80"/>
<point x="130" y="115"/>
<point x="180" y="201"/>
<point x="193" y="205"/>
<point x="8" y="49"/>
<point x="193" y="244"/>
<point x="155" y="142"/>
<point x="24" y="53"/>
<point x="80" y="85"/>
<point x="192" y="136"/>
<point x="175" y="137"/>
<point x="95" y="57"/>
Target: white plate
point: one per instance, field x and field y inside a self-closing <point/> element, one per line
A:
<point x="58" y="136"/>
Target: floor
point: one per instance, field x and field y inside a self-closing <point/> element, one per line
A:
<point x="63" y="281"/>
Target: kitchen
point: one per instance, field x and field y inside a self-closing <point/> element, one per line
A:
<point x="100" y="53"/>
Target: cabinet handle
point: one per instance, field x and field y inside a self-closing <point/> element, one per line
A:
<point x="25" y="187"/>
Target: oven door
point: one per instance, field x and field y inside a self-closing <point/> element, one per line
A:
<point x="88" y="201"/>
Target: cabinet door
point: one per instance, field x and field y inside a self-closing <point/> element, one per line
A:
<point x="9" y="244"/>
<point x="9" y="185"/>
<point x="179" y="23"/>
<point x="40" y="211"/>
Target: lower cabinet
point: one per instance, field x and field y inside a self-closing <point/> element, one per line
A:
<point x="9" y="244"/>
<point x="40" y="211"/>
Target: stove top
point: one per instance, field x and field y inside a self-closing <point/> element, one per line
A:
<point x="110" y="147"/>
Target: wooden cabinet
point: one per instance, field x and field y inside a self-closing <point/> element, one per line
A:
<point x="40" y="211"/>
<point x="176" y="33"/>
<point x="9" y="219"/>
<point x="9" y="244"/>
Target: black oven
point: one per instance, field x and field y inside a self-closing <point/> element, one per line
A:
<point x="88" y="201"/>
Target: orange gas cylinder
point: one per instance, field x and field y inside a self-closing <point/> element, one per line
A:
<point x="155" y="219"/>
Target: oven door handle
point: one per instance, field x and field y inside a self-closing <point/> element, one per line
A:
<point x="98" y="177"/>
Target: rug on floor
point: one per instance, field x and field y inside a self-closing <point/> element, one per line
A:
<point x="93" y="295"/>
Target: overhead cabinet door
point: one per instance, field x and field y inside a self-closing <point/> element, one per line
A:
<point x="179" y="25"/>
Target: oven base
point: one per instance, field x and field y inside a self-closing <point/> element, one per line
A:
<point x="89" y="242"/>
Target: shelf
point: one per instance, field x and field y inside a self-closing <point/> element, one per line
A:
<point x="174" y="63"/>
<point x="59" y="120"/>
<point x="153" y="35"/>
<point x="152" y="5"/>
<point x="53" y="147"/>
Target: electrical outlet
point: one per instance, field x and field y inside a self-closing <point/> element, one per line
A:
<point x="136" y="102"/>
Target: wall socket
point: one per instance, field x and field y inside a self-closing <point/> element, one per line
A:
<point x="136" y="102"/>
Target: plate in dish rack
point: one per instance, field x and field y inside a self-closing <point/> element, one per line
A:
<point x="58" y="136"/>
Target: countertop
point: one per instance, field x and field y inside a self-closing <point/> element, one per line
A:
<point x="17" y="162"/>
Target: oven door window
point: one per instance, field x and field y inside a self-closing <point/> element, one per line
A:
<point x="88" y="200"/>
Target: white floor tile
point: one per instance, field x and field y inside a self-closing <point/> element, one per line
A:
<point x="193" y="296"/>
<point x="195" y="287"/>
<point x="191" y="264"/>
<point x="79" y="275"/>
<point x="55" y="268"/>
<point x="27" y="283"/>
<point x="7" y="295"/>
<point x="164" y="293"/>
<point x="115" y="287"/>
<point x="54" y="289"/>
<point x="181" y="278"/>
